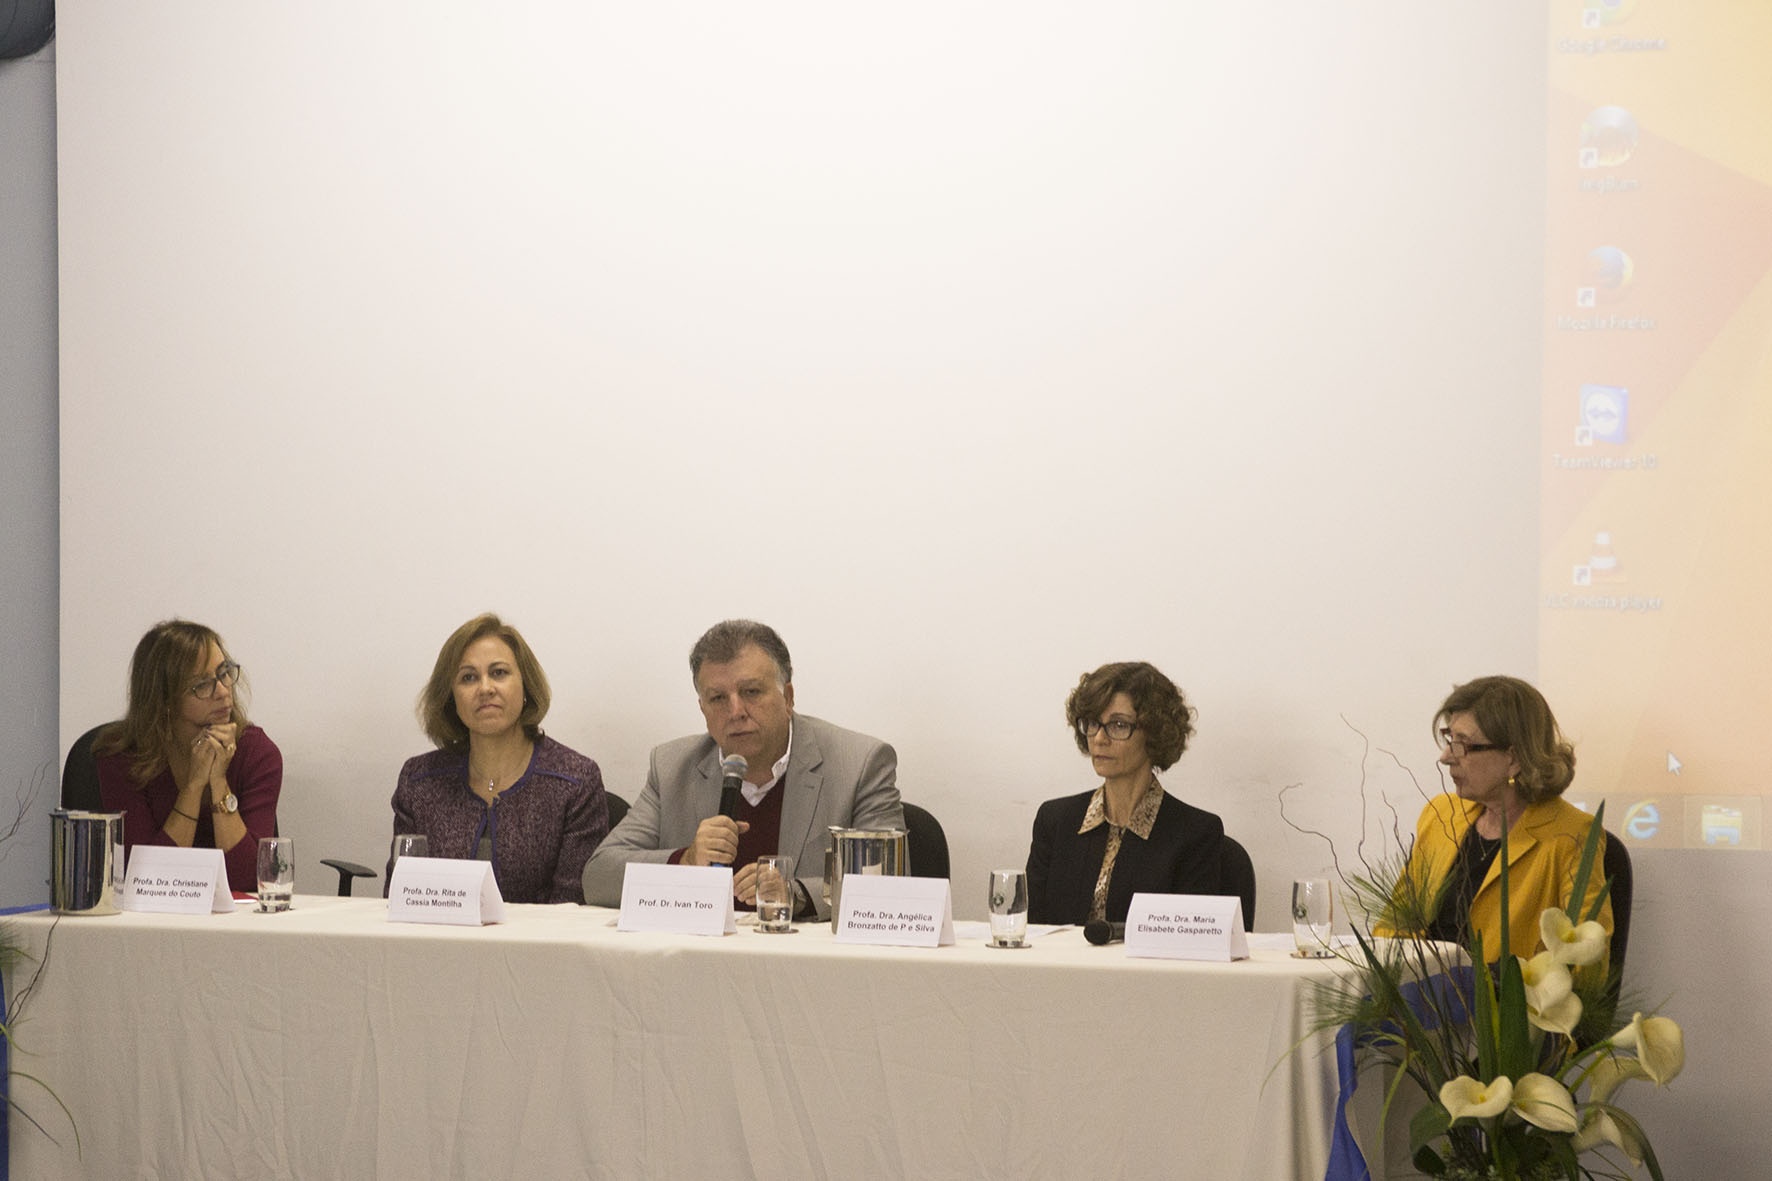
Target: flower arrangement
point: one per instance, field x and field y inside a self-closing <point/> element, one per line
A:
<point x="1518" y="1062"/>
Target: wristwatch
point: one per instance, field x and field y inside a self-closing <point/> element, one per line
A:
<point x="228" y="803"/>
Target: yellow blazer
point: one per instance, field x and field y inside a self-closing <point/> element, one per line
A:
<point x="1543" y="852"/>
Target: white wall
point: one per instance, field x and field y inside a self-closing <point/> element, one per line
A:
<point x="969" y="346"/>
<point x="971" y="349"/>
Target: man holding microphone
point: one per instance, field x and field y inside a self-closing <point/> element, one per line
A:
<point x="800" y="776"/>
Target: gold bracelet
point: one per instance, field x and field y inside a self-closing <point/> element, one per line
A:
<point x="186" y="815"/>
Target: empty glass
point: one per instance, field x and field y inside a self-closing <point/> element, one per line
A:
<point x="1313" y="917"/>
<point x="410" y="844"/>
<point x="276" y="873"/>
<point x="1009" y="908"/>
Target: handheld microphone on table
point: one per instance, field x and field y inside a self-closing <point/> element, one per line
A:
<point x="732" y="769"/>
<point x="1102" y="932"/>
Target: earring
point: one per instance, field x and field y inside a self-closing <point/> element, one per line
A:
<point x="1511" y="781"/>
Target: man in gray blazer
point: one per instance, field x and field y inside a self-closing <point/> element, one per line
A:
<point x="803" y="776"/>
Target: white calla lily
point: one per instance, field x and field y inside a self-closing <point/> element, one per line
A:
<point x="1550" y="1000"/>
<point x="1464" y="1097"/>
<point x="1660" y="1046"/>
<point x="1610" y="1073"/>
<point x="1561" y="1016"/>
<point x="1543" y="1101"/>
<point x="1598" y="1127"/>
<point x="1575" y="944"/>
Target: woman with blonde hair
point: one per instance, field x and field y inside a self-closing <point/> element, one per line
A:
<point x="1509" y="765"/>
<point x="184" y="766"/>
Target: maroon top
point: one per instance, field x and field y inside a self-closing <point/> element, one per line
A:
<point x="255" y="776"/>
<point x="760" y="840"/>
<point x="542" y="829"/>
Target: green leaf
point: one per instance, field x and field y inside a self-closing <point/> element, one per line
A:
<point x="1483" y="1012"/>
<point x="1589" y="848"/>
<point x="1515" y="1033"/>
<point x="1507" y="939"/>
<point x="1562" y="1150"/>
<point x="1429" y="1124"/>
<point x="1429" y="1162"/>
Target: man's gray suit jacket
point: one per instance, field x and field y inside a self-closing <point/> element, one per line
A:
<point x="834" y="777"/>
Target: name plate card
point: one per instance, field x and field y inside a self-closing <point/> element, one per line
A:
<point x="1186" y="927"/>
<point x="689" y="899"/>
<point x="900" y="911"/>
<point x="172" y="880"/>
<point x="458" y="891"/>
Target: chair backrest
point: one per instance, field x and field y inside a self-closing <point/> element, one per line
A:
<point x="618" y="808"/>
<point x="926" y="845"/>
<point x="80" y="774"/>
<point x="1618" y="871"/>
<point x="1236" y="876"/>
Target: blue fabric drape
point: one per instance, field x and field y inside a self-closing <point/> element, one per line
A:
<point x="1444" y="994"/>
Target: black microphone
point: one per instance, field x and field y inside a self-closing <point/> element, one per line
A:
<point x="1102" y="932"/>
<point x="732" y="769"/>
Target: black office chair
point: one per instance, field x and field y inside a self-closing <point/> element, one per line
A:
<point x="1616" y="862"/>
<point x="618" y="808"/>
<point x="1236" y="876"/>
<point x="80" y="774"/>
<point x="80" y="791"/>
<point x="926" y="845"/>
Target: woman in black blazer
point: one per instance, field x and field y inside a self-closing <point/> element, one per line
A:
<point x="1093" y="851"/>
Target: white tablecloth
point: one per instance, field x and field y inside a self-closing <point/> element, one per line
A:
<point x="328" y="1042"/>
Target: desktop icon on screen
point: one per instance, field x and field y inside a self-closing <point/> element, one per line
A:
<point x="1608" y="137"/>
<point x="1642" y="821"/>
<point x="1605" y="413"/>
<point x="1603" y="564"/>
<point x="1605" y="273"/>
<point x="1596" y="13"/>
<point x="1720" y="825"/>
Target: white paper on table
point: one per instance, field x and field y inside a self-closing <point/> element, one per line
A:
<point x="457" y="891"/>
<point x="173" y="880"/>
<point x="980" y="929"/>
<point x="691" y="899"/>
<point x="901" y="911"/>
<point x="1186" y="927"/>
<point x="1288" y="942"/>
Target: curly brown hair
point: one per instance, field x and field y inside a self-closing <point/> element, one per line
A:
<point x="436" y="703"/>
<point x="1512" y="714"/>
<point x="1163" y="713"/>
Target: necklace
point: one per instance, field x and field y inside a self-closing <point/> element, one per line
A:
<point x="497" y="781"/>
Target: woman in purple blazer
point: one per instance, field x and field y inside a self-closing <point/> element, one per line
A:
<point x="496" y="788"/>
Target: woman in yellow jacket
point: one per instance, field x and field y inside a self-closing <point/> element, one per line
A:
<point x="1509" y="765"/>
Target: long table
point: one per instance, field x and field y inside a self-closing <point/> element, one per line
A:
<point x="329" y="1042"/>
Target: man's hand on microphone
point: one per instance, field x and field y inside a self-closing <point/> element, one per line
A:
<point x="716" y="841"/>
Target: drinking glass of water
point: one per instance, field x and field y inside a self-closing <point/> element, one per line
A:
<point x="1009" y="908"/>
<point x="775" y="894"/>
<point x="1313" y="917"/>
<point x="276" y="873"/>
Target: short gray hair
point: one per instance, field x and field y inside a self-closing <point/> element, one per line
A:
<point x="726" y="639"/>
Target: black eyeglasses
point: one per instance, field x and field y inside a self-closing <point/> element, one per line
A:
<point x="1118" y="730"/>
<point x="1458" y="747"/>
<point x="224" y="677"/>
